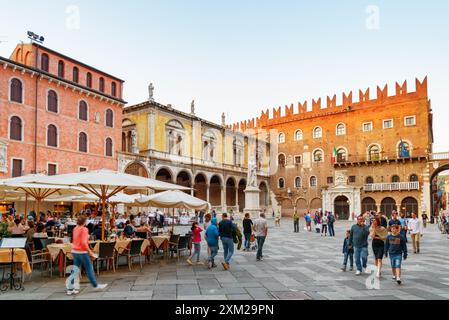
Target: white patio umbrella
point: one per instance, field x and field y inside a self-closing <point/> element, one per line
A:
<point x="106" y="183"/>
<point x="173" y="199"/>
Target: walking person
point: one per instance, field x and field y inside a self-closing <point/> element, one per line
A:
<point x="225" y="230"/>
<point x="196" y="230"/>
<point x="296" y="221"/>
<point x="348" y="252"/>
<point x="330" y="224"/>
<point x="324" y="221"/>
<point x="424" y="220"/>
<point x="82" y="255"/>
<point x="416" y="231"/>
<point x="247" y="231"/>
<point x="212" y="242"/>
<point x="308" y="222"/>
<point x="394" y="220"/>
<point x="277" y="220"/>
<point x="260" y="230"/>
<point x="396" y="247"/>
<point x="358" y="239"/>
<point x="404" y="227"/>
<point x="379" y="234"/>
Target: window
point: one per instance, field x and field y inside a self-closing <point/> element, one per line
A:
<point x="16" y="91"/>
<point x="51" y="169"/>
<point x="61" y="69"/>
<point x="281" y="138"/>
<point x="369" y="180"/>
<point x="414" y="178"/>
<point x="89" y="80"/>
<point x="281" y="160"/>
<point x="341" y="129"/>
<point x="298" y="135"/>
<point x="313" y="182"/>
<point x="281" y="183"/>
<point x="410" y="121"/>
<point x="374" y="153"/>
<point x="404" y="149"/>
<point x="341" y="155"/>
<point x="367" y="127"/>
<point x="330" y="180"/>
<point x="15" y="128"/>
<point x="298" y="159"/>
<point x="101" y="84"/>
<point x="109" y="118"/>
<point x="82" y="111"/>
<point x="76" y="76"/>
<point x="318" y="156"/>
<point x="317" y="133"/>
<point x="113" y="89"/>
<point x="45" y="62"/>
<point x="52" y="101"/>
<point x="387" y="124"/>
<point x="351" y="179"/>
<point x="297" y="182"/>
<point x="395" y="179"/>
<point x="109" y="147"/>
<point x="52" y="136"/>
<point x="17" y="165"/>
<point x="83" y="169"/>
<point x="82" y="142"/>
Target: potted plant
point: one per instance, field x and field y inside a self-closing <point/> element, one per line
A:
<point x="4" y="230"/>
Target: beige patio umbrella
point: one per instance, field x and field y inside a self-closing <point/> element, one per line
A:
<point x="106" y="183"/>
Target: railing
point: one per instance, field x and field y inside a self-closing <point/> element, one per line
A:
<point x="439" y="156"/>
<point x="395" y="186"/>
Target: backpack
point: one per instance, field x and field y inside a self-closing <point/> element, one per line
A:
<point x="236" y="235"/>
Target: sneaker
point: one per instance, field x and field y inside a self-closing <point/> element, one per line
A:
<point x="351" y="269"/>
<point x="393" y="278"/>
<point x="225" y="265"/>
<point x="190" y="262"/>
<point x="200" y="262"/>
<point x="357" y="273"/>
<point x="72" y="292"/>
<point x="343" y="269"/>
<point x="100" y="287"/>
<point x="366" y="271"/>
<point x="399" y="281"/>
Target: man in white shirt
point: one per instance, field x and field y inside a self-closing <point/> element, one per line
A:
<point x="260" y="227"/>
<point x="415" y="227"/>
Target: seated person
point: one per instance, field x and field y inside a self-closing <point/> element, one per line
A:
<point x="129" y="230"/>
<point x="17" y="228"/>
<point x="144" y="227"/>
<point x="31" y="231"/>
<point x="40" y="231"/>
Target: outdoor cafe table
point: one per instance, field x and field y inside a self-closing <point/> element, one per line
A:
<point x="160" y="242"/>
<point x="20" y="256"/>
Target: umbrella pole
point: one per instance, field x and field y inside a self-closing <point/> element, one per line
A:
<point x="173" y="222"/>
<point x="26" y="207"/>
<point x="103" y="216"/>
<point x="38" y="215"/>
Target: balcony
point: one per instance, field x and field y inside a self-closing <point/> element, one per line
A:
<point x="359" y="160"/>
<point x="395" y="186"/>
<point x="439" y="156"/>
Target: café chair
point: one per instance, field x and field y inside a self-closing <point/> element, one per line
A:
<point x="132" y="252"/>
<point x="106" y="253"/>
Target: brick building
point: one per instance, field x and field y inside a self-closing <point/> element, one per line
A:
<point x="370" y="154"/>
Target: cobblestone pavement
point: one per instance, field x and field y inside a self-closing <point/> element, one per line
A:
<point x="296" y="266"/>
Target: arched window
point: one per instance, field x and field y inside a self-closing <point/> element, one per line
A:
<point x="318" y="156"/>
<point x="281" y="138"/>
<point x="45" y="61"/>
<point x="369" y="180"/>
<point x="374" y="153"/>
<point x="52" y="101"/>
<point x="281" y="160"/>
<point x="313" y="181"/>
<point x="298" y="135"/>
<point x="341" y="155"/>
<point x="113" y="89"/>
<point x="297" y="182"/>
<point x="82" y="142"/>
<point x="317" y="133"/>
<point x="76" y="75"/>
<point x="52" y="136"/>
<point x="61" y="69"/>
<point x="82" y="111"/>
<point x="101" y="84"/>
<point x="109" y="118"/>
<point x="341" y="129"/>
<point x="89" y="80"/>
<point x="15" y="128"/>
<point x="281" y="183"/>
<point x="395" y="179"/>
<point x="16" y="91"/>
<point x="413" y="178"/>
<point x="109" y="147"/>
<point x="404" y="149"/>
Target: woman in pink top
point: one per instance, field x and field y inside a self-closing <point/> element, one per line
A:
<point x="196" y="230"/>
<point x="82" y="255"/>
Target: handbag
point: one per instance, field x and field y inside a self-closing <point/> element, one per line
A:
<point x="252" y="238"/>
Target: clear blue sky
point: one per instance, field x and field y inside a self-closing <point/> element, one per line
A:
<point x="244" y="56"/>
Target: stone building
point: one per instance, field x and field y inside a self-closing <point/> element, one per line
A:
<point x="370" y="154"/>
<point x="163" y="143"/>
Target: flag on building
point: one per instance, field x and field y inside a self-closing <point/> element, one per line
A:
<point x="334" y="156"/>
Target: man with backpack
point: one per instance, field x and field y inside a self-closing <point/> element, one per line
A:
<point x="330" y="224"/>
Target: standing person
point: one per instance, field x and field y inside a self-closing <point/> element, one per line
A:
<point x="379" y="234"/>
<point x="394" y="220"/>
<point x="404" y="226"/>
<point x="212" y="242"/>
<point x="296" y="221"/>
<point x="260" y="230"/>
<point x="358" y="239"/>
<point x="330" y="224"/>
<point x="308" y="222"/>
<point x="416" y="231"/>
<point x="348" y="252"/>
<point x="82" y="257"/>
<point x="225" y="230"/>
<point x="383" y="220"/>
<point x="247" y="231"/>
<point x="324" y="221"/>
<point x="396" y="247"/>
<point x="278" y="218"/>
<point x="196" y="230"/>
<point x="424" y="220"/>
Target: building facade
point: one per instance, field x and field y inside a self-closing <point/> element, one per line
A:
<point x="370" y="154"/>
<point x="166" y="144"/>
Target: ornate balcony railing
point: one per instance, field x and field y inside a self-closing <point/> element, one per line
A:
<point x="395" y="186"/>
<point x="439" y="156"/>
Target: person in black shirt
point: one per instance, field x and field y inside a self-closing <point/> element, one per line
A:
<point x="225" y="229"/>
<point x="247" y="231"/>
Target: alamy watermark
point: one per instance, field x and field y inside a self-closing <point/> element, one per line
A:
<point x="73" y="20"/>
<point x="372" y="21"/>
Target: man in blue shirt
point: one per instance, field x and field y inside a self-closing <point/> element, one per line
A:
<point x="358" y="239"/>
<point x="212" y="241"/>
<point x="225" y="229"/>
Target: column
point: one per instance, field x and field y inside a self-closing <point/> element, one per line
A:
<point x="237" y="198"/>
<point x="207" y="192"/>
<point x="151" y="129"/>
<point x="223" y="199"/>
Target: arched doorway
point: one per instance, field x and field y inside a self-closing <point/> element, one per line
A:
<point x="183" y="179"/>
<point x="215" y="191"/>
<point x="241" y="194"/>
<point x="368" y="204"/>
<point x="263" y="195"/>
<point x="316" y="204"/>
<point x="230" y="192"/>
<point x="287" y="208"/>
<point x="137" y="169"/>
<point x="387" y="206"/>
<point x="200" y="187"/>
<point x="301" y="205"/>
<point x="341" y="207"/>
<point x="438" y="199"/>
<point x="409" y="205"/>
<point x="164" y="175"/>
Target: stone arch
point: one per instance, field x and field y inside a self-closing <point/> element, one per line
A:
<point x="315" y="204"/>
<point x="387" y="206"/>
<point x="341" y="207"/>
<point x="200" y="186"/>
<point x="409" y="205"/>
<point x="184" y="178"/>
<point x="164" y="174"/>
<point x="137" y="168"/>
<point x="435" y="200"/>
<point x="241" y="194"/>
<point x="368" y="204"/>
<point x="301" y="205"/>
<point x="215" y="187"/>
<point x="263" y="195"/>
<point x="231" y="188"/>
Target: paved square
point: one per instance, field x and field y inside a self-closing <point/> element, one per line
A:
<point x="302" y="266"/>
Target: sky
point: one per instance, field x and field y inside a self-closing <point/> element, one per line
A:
<point x="244" y="56"/>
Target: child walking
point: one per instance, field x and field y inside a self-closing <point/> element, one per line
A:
<point x="396" y="247"/>
<point x="196" y="230"/>
<point x="348" y="252"/>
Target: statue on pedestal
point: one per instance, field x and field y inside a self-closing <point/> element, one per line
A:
<point x="150" y="92"/>
<point x="192" y="107"/>
<point x="252" y="173"/>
